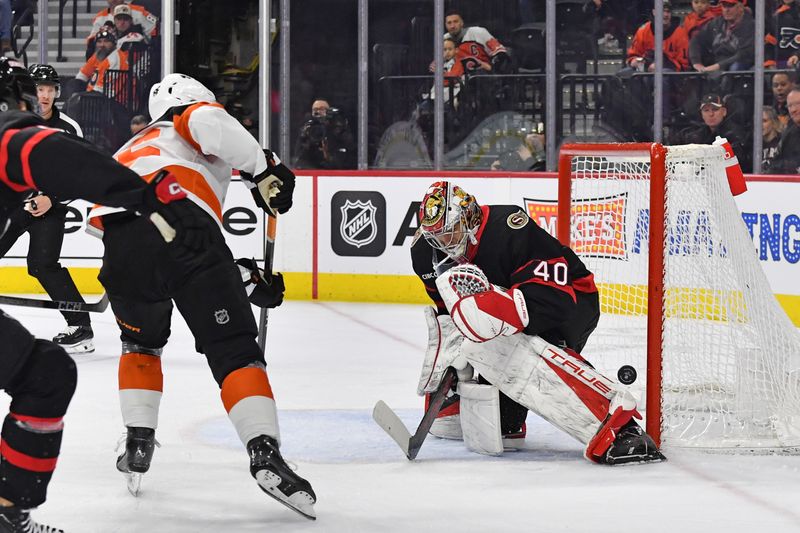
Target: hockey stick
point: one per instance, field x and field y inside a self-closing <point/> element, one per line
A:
<point x="391" y="423"/>
<point x="78" y="307"/>
<point x="269" y="257"/>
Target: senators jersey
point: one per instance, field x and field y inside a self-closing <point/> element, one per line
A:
<point x="200" y="145"/>
<point x="476" y="42"/>
<point x="514" y="252"/>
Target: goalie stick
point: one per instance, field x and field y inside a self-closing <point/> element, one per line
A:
<point x="269" y="256"/>
<point x="96" y="307"/>
<point x="391" y="424"/>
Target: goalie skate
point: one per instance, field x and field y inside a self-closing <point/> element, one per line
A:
<point x="632" y="445"/>
<point x="277" y="479"/>
<point x="140" y="444"/>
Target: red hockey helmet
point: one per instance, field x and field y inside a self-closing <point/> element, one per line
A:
<point x="449" y="219"/>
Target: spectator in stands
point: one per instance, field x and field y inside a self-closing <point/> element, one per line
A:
<point x="475" y="45"/>
<point x="782" y="83"/>
<point x="105" y="57"/>
<point x="702" y="12"/>
<point x="787" y="158"/>
<point x="128" y="35"/>
<point x="726" y="42"/>
<point x="138" y="123"/>
<point x="325" y="139"/>
<point x="615" y="20"/>
<point x="147" y="22"/>
<point x="641" y="54"/>
<point x="529" y="156"/>
<point x="782" y="48"/>
<point x="714" y="113"/>
<point x="772" y="129"/>
<point x="5" y="26"/>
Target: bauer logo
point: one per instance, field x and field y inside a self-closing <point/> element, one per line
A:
<point x="598" y="224"/>
<point x="358" y="223"/>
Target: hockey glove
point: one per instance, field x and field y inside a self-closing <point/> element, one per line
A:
<point x="273" y="187"/>
<point x="262" y="290"/>
<point x="481" y="310"/>
<point x="178" y="221"/>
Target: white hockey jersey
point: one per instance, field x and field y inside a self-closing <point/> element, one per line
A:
<point x="200" y="147"/>
<point x="476" y="42"/>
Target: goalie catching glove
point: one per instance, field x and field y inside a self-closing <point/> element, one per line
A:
<point x="272" y="189"/>
<point x="262" y="290"/>
<point x="180" y="222"/>
<point x="481" y="310"/>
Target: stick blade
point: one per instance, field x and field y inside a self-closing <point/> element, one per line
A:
<point x="392" y="425"/>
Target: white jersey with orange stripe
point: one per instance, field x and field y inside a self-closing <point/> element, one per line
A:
<point x="201" y="147"/>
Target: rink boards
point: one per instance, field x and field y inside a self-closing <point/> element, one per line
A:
<point x="348" y="234"/>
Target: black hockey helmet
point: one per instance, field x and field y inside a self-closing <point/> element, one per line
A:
<point x="44" y="75"/>
<point x="16" y="85"/>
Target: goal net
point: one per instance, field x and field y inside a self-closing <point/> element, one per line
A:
<point x="683" y="297"/>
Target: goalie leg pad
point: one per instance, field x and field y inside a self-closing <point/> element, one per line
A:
<point x="444" y="349"/>
<point x="480" y="418"/>
<point x="554" y="384"/>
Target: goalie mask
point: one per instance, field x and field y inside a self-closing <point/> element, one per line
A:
<point x="449" y="219"/>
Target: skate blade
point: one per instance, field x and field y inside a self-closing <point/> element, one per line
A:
<point x="79" y="347"/>
<point x="300" y="502"/>
<point x="134" y="482"/>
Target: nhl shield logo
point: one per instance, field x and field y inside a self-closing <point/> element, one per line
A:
<point x="358" y="227"/>
<point x="222" y="316"/>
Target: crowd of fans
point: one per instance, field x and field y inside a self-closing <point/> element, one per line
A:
<point x="708" y="58"/>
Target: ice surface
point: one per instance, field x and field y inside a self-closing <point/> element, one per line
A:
<point x="329" y="363"/>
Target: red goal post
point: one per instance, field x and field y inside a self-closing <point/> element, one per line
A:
<point x="684" y="298"/>
<point x="656" y="153"/>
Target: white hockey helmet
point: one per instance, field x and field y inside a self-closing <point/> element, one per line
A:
<point x="176" y="90"/>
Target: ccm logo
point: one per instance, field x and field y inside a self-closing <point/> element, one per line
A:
<point x="174" y="188"/>
<point x="567" y="364"/>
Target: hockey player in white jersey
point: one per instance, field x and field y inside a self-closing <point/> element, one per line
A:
<point x="193" y="138"/>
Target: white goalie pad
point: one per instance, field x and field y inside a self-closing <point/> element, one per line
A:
<point x="444" y="349"/>
<point x="526" y="368"/>
<point x="480" y="417"/>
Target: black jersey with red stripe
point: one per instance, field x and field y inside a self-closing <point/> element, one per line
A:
<point x="34" y="157"/>
<point x="514" y="252"/>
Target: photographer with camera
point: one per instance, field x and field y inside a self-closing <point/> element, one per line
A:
<point x="325" y="139"/>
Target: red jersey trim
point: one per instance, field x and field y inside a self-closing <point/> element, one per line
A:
<point x="4" y="161"/>
<point x="25" y="461"/>
<point x="473" y="251"/>
<point x="27" y="148"/>
<point x="585" y="284"/>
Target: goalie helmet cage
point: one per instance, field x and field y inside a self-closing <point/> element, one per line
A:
<point x="683" y="297"/>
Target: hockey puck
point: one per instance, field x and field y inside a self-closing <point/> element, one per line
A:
<point x="626" y="374"/>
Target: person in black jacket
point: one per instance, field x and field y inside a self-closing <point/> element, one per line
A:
<point x="787" y="158"/>
<point x="725" y="43"/>
<point x="43" y="218"/>
<point x="39" y="375"/>
<point x="716" y="123"/>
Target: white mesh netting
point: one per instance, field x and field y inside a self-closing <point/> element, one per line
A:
<point x="730" y="355"/>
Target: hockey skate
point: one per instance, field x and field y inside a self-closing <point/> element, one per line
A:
<point x="277" y="479"/>
<point x="140" y="444"/>
<point x="15" y="520"/>
<point x="632" y="445"/>
<point x="76" y="339"/>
